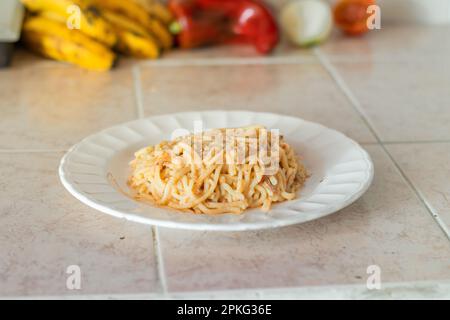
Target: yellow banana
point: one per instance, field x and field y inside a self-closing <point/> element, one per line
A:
<point x="157" y="10"/>
<point x="133" y="39"/>
<point x="54" y="40"/>
<point x="160" y="31"/>
<point x="137" y="46"/>
<point x="51" y="5"/>
<point x="126" y="8"/>
<point x="137" y="13"/>
<point x="122" y="22"/>
<point x="90" y="22"/>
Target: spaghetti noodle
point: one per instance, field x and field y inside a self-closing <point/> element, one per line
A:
<point x="218" y="171"/>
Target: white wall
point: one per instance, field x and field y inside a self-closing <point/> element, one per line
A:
<point x="405" y="11"/>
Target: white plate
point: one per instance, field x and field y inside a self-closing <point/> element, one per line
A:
<point x="341" y="171"/>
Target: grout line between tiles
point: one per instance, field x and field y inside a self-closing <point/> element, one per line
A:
<point x="434" y="213"/>
<point x="419" y="194"/>
<point x="390" y="290"/>
<point x="255" y="60"/>
<point x="201" y="62"/>
<point x="385" y="59"/>
<point x="346" y="90"/>
<point x="415" y="142"/>
<point x="138" y="91"/>
<point x="32" y="150"/>
<point x="159" y="259"/>
<point x="180" y="62"/>
<point x="375" y="143"/>
<point x="355" y="104"/>
<point x="155" y="232"/>
<point x="403" y="142"/>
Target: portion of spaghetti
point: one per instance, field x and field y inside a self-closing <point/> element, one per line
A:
<point x="218" y="171"/>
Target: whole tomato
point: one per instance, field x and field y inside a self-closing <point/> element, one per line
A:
<point x="351" y="16"/>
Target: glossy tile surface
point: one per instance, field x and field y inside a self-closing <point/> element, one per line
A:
<point x="428" y="168"/>
<point x="379" y="229"/>
<point x="55" y="107"/>
<point x="44" y="230"/>
<point x="302" y="90"/>
<point x="396" y="80"/>
<point x="405" y="101"/>
<point x="284" y="51"/>
<point x="391" y="44"/>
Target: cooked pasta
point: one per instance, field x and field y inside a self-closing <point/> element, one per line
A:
<point x="218" y="171"/>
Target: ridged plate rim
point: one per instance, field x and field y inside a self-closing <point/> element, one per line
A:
<point x="278" y="216"/>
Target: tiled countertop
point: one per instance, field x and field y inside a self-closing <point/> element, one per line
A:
<point x="389" y="91"/>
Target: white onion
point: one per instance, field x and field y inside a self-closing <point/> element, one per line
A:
<point x="306" y="22"/>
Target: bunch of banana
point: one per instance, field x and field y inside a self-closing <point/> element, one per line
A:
<point x="87" y="32"/>
<point x="150" y="15"/>
<point x="54" y="40"/>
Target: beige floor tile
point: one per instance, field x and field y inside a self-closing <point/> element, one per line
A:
<point x="392" y="43"/>
<point x="303" y="90"/>
<point x="43" y="230"/>
<point x="406" y="101"/>
<point x="54" y="107"/>
<point x="24" y="58"/>
<point x="428" y="168"/>
<point x="387" y="227"/>
<point x="216" y="54"/>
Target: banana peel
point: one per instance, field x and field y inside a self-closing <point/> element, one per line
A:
<point x="136" y="45"/>
<point x="90" y="21"/>
<point x="54" y="40"/>
<point x="133" y="39"/>
<point x="157" y="10"/>
<point x="135" y="12"/>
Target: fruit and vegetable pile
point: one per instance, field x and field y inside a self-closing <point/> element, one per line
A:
<point x="91" y="33"/>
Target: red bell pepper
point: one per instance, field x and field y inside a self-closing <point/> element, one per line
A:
<point x="206" y="22"/>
